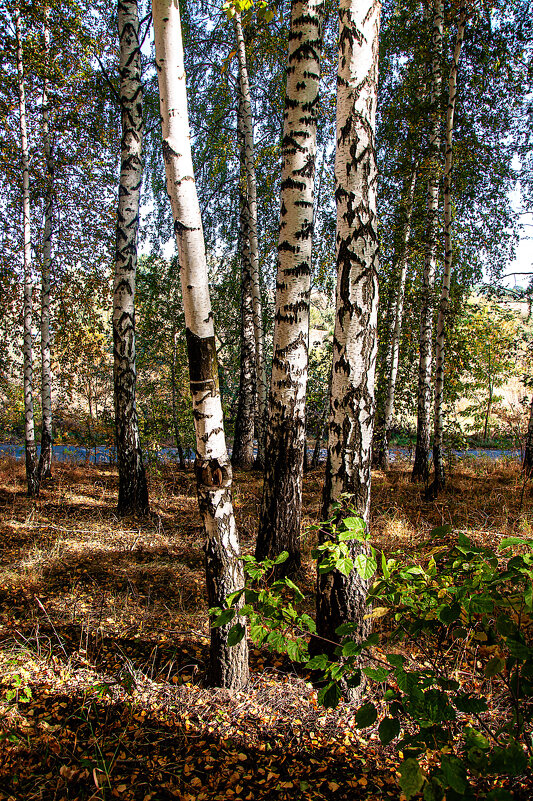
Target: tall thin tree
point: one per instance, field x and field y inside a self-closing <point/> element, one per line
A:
<point x="527" y="464"/>
<point x="422" y="451"/>
<point x="440" y="342"/>
<point x="243" y="439"/>
<point x="246" y="121"/>
<point x="133" y="491"/>
<point x="45" y="459"/>
<point x="224" y="573"/>
<point x="32" y="477"/>
<point x="350" y="429"/>
<point x="279" y="526"/>
<point x="394" y="348"/>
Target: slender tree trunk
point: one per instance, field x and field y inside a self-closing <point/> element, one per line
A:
<point x="224" y="573"/>
<point x="348" y="470"/>
<point x="319" y="433"/>
<point x="487" y="414"/>
<point x="245" y="113"/>
<point x="175" y="422"/>
<point x="438" y="462"/>
<point x="422" y="452"/>
<point x="133" y="492"/>
<point x="279" y="525"/>
<point x="527" y="464"/>
<point x="29" y="426"/>
<point x="243" y="439"/>
<point x="394" y="352"/>
<point x="45" y="459"/>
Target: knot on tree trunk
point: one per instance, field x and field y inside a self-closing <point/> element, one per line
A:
<point x="213" y="472"/>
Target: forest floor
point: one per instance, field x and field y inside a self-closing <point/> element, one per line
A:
<point x="104" y="641"/>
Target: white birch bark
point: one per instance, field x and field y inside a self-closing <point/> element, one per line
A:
<point x="440" y="343"/>
<point x="279" y="526"/>
<point x="45" y="459"/>
<point x="394" y="351"/>
<point x="29" y="425"/>
<point x="422" y="452"/>
<point x="133" y="491"/>
<point x="224" y="573"/>
<point x="350" y="428"/>
<point x="248" y="129"/>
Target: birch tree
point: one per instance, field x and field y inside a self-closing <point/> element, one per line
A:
<point x="243" y="439"/>
<point x="246" y="121"/>
<point x="394" y="352"/>
<point x="279" y="526"/>
<point x="133" y="491"/>
<point x="421" y="464"/>
<point x="45" y="459"/>
<point x="224" y="573"/>
<point x="350" y="428"/>
<point x="438" y="463"/>
<point x="29" y="425"/>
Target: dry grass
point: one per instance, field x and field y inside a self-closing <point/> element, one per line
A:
<point x="107" y="617"/>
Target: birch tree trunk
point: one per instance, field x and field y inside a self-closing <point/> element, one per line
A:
<point x="243" y="439"/>
<point x="394" y="353"/>
<point x="527" y="464"/>
<point x="279" y="525"/>
<point x="224" y="573"/>
<point x="438" y="463"/>
<point x="245" y="111"/>
<point x="351" y="419"/>
<point x="29" y="426"/>
<point x="45" y="459"/>
<point x="421" y="464"/>
<point x="133" y="491"/>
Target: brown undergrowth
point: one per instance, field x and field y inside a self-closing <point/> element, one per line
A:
<point x="103" y="642"/>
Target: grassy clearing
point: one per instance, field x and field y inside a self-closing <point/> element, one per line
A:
<point x="103" y="641"/>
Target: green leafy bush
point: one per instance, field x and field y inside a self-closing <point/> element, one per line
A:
<point x="459" y="642"/>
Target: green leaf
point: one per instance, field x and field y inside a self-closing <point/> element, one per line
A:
<point x="345" y="628"/>
<point x="330" y="695"/>
<point x="365" y="565"/>
<point x="236" y="633"/>
<point x="411" y="778"/>
<point x="494" y="666"/>
<point x="344" y="565"/>
<point x="298" y="595"/>
<point x="499" y="794"/>
<point x="318" y="662"/>
<point x="377" y="674"/>
<point x="508" y="541"/>
<point x="356" y="524"/>
<point x="384" y="566"/>
<point x="277" y="642"/>
<point x="296" y="650"/>
<point x="388" y="729"/>
<point x="351" y="648"/>
<point x="308" y="623"/>
<point x="284" y="555"/>
<point x="234" y="597"/>
<point x="449" y="614"/>
<point x="366" y="716"/>
<point x="223" y="619"/>
<point x="454" y="772"/>
<point x="441" y="531"/>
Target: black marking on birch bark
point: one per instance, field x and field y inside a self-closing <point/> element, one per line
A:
<point x="180" y="228"/>
<point x="203" y="367"/>
<point x="169" y="153"/>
